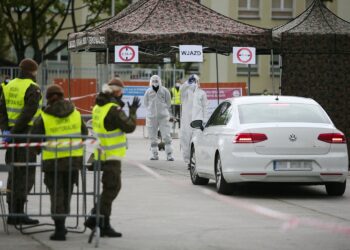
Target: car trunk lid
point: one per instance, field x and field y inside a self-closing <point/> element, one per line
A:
<point x="292" y="140"/>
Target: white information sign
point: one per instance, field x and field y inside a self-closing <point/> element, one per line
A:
<point x="126" y="54"/>
<point x="244" y="55"/>
<point x="191" y="53"/>
<point x="139" y="91"/>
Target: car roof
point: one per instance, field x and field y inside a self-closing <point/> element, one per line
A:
<point x="271" y="99"/>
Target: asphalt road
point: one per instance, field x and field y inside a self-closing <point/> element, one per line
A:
<point x="159" y="208"/>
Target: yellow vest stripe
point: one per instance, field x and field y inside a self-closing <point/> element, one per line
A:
<point x="63" y="149"/>
<point x="115" y="146"/>
<point x="68" y="126"/>
<point x="109" y="135"/>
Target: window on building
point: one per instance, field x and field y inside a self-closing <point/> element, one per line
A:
<point x="249" y="9"/>
<point x="242" y="69"/>
<point x="282" y="9"/>
<point x="277" y="63"/>
<point x="61" y="55"/>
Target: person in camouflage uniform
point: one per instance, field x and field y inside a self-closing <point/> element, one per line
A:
<point x="61" y="167"/>
<point x="19" y="105"/>
<point x="110" y="119"/>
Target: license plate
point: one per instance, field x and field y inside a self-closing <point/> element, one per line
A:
<point x="292" y="165"/>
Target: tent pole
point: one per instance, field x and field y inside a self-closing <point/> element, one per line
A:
<point x="113" y="14"/>
<point x="249" y="69"/>
<point x="174" y="75"/>
<point x="272" y="72"/>
<point x="217" y="78"/>
<point x="69" y="74"/>
<point x="107" y="68"/>
<point x="280" y="65"/>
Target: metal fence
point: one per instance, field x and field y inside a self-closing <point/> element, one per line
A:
<point x="84" y="190"/>
<point x="102" y="73"/>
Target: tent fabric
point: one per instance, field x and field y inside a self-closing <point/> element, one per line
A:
<point x="323" y="77"/>
<point x="158" y="26"/>
<point x="316" y="30"/>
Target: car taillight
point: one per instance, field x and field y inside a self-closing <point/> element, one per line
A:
<point x="332" y="138"/>
<point x="249" y="138"/>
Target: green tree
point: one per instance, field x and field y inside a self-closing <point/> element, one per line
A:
<point x="37" y="23"/>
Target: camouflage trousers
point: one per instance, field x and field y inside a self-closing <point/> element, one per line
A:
<point x="111" y="185"/>
<point x="21" y="177"/>
<point x="60" y="185"/>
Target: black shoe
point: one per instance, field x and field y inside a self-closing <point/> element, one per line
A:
<point x="59" y="235"/>
<point x="90" y="223"/>
<point x="60" y="230"/>
<point x="25" y="220"/>
<point x="110" y="232"/>
<point x="11" y="220"/>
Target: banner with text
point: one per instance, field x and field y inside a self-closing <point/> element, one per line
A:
<point x="226" y="90"/>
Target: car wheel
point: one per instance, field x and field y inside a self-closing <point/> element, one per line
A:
<point x="196" y="180"/>
<point x="335" y="188"/>
<point x="221" y="185"/>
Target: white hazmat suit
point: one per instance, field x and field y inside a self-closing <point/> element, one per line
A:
<point x="157" y="101"/>
<point x="194" y="107"/>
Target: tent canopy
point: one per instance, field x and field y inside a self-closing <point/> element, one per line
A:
<point x="316" y="30"/>
<point x="159" y="26"/>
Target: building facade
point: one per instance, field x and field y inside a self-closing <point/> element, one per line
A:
<point x="261" y="13"/>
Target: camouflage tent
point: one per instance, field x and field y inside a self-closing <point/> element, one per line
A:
<point x="315" y="49"/>
<point x="159" y="26"/>
<point x="316" y="30"/>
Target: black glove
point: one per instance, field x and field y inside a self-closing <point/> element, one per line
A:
<point x="135" y="103"/>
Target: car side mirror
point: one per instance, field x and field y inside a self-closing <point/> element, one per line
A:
<point x="197" y="124"/>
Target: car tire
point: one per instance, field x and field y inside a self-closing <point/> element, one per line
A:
<point x="336" y="188"/>
<point x="196" y="180"/>
<point x="222" y="186"/>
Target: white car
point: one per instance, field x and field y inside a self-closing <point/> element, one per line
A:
<point x="269" y="139"/>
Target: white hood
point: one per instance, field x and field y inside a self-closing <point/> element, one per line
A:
<point x="155" y="78"/>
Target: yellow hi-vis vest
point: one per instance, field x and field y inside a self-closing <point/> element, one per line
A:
<point x="175" y="100"/>
<point x="14" y="93"/>
<point x="66" y="126"/>
<point x="112" y="143"/>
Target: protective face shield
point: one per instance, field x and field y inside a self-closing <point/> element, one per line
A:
<point x="193" y="79"/>
<point x="155" y="81"/>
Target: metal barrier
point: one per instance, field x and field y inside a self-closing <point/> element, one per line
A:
<point x="47" y="74"/>
<point x="20" y="164"/>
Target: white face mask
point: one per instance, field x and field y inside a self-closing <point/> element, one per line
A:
<point x="177" y="84"/>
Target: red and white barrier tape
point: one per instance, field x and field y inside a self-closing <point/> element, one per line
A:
<point x="80" y="97"/>
<point x="49" y="144"/>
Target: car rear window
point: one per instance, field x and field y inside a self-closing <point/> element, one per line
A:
<point x="281" y="112"/>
